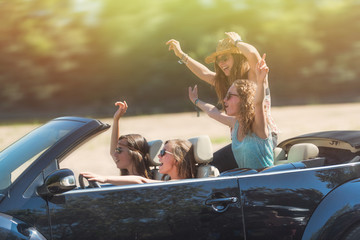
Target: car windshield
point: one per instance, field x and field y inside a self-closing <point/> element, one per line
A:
<point x="15" y="159"/>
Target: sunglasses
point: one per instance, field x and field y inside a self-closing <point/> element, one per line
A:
<point x="229" y="95"/>
<point x="163" y="152"/>
<point x="119" y="150"/>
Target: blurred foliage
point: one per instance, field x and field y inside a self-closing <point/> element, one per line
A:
<point x="80" y="56"/>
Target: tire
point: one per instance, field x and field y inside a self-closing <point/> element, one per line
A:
<point x="353" y="233"/>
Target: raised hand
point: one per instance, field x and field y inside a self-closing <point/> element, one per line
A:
<point x="261" y="70"/>
<point x="233" y="36"/>
<point x="193" y="94"/>
<point x="121" y="110"/>
<point x="175" y="46"/>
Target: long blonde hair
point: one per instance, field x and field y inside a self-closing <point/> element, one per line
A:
<point x="246" y="90"/>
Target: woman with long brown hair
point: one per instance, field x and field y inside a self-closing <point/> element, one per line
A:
<point x="177" y="161"/>
<point x="233" y="59"/>
<point x="130" y="152"/>
<point x="244" y="106"/>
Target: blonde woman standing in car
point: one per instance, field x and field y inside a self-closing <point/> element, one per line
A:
<point x="233" y="59"/>
<point x="244" y="106"/>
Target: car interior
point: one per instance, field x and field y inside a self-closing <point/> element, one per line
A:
<point x="316" y="153"/>
<point x="307" y="154"/>
<point x="298" y="154"/>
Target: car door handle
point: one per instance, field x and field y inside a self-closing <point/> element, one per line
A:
<point x="226" y="200"/>
<point x="221" y="204"/>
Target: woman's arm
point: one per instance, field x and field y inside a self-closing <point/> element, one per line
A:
<point x="260" y="125"/>
<point x="117" y="180"/>
<point x="210" y="109"/>
<point x="197" y="68"/>
<point x="249" y="51"/>
<point x="115" y="133"/>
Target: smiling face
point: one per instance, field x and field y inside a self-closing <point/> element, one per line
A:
<point x="168" y="161"/>
<point x="225" y="62"/>
<point x="232" y="101"/>
<point x="123" y="158"/>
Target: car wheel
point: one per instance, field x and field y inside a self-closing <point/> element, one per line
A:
<point x="353" y="233"/>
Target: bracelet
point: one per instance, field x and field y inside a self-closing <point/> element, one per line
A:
<point x="237" y="41"/>
<point x="197" y="109"/>
<point x="184" y="59"/>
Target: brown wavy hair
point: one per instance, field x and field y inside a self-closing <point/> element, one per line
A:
<point x="246" y="90"/>
<point x="183" y="151"/>
<point x="239" y="70"/>
<point x="139" y="154"/>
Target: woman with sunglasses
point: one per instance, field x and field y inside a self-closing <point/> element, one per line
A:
<point x="233" y="59"/>
<point x="244" y="102"/>
<point x="130" y="152"/>
<point x="177" y="161"/>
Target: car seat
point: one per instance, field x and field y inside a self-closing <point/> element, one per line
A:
<point x="155" y="147"/>
<point x="279" y="154"/>
<point x="203" y="153"/>
<point x="298" y="152"/>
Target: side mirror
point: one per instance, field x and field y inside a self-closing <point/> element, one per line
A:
<point x="57" y="182"/>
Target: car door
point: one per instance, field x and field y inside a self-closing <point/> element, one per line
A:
<point x="189" y="209"/>
<point x="278" y="205"/>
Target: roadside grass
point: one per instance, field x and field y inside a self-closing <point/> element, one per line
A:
<point x="220" y="140"/>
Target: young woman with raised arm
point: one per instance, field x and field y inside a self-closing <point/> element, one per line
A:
<point x="244" y="101"/>
<point x="177" y="161"/>
<point x="233" y="59"/>
<point x="130" y="152"/>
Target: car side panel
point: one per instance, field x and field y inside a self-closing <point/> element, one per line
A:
<point x="22" y="201"/>
<point x="279" y="205"/>
<point x="170" y="210"/>
<point x="31" y="211"/>
<point x="25" y="204"/>
<point x="11" y="228"/>
<point x="336" y="213"/>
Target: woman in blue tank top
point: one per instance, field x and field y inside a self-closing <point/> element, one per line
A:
<point x="244" y="106"/>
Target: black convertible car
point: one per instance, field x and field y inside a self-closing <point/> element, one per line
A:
<point x="312" y="192"/>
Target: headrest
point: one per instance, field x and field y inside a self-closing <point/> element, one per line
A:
<point x="155" y="148"/>
<point x="203" y="151"/>
<point x="279" y="154"/>
<point x="302" y="151"/>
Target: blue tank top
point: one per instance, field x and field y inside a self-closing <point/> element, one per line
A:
<point x="252" y="152"/>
